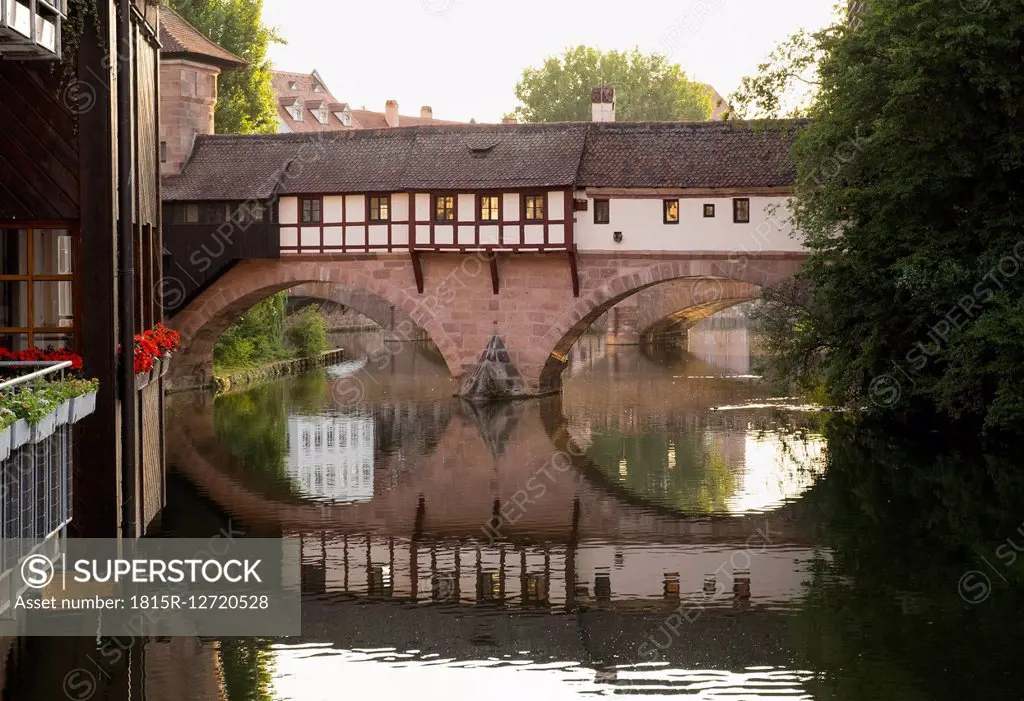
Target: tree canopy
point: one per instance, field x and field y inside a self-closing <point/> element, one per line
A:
<point x="647" y="86"/>
<point x="245" y="99"/>
<point x="910" y="198"/>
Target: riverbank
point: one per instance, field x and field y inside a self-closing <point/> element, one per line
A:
<point x="241" y="378"/>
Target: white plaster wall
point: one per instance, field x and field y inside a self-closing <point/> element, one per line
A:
<point x="378" y="235"/>
<point x="556" y="205"/>
<point x="288" y="210"/>
<point x="333" y="235"/>
<point x="289" y="236"/>
<point x="355" y="235"/>
<point x="310" y="236"/>
<point x="355" y="208"/>
<point x="399" y="207"/>
<point x="640" y="221"/>
<point x="332" y="209"/>
<point x="510" y="206"/>
<point x="556" y="233"/>
<point x="400" y="234"/>
<point x="467" y="207"/>
<point x="423" y="211"/>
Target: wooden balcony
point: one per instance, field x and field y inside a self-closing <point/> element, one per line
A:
<point x="31" y="29"/>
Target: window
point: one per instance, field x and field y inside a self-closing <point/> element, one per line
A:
<point x="317" y="87"/>
<point x="36" y="304"/>
<point x="533" y="207"/>
<point x="709" y="211"/>
<point x="670" y="211"/>
<point x="741" y="211"/>
<point x="444" y="208"/>
<point x="380" y="208"/>
<point x="299" y="107"/>
<point x="191" y="214"/>
<point x="490" y="208"/>
<point x="310" y="210"/>
<point x="292" y="85"/>
<point x="163" y="151"/>
<point x="602" y="212"/>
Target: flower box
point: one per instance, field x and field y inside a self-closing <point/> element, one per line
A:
<point x="63" y="412"/>
<point x="21" y="432"/>
<point x="165" y="364"/>
<point x="154" y="374"/>
<point x="44" y="428"/>
<point x="5" y="443"/>
<point x="141" y="380"/>
<point x="82" y="407"/>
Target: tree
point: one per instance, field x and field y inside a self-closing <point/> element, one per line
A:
<point x="647" y="86"/>
<point x="245" y="100"/>
<point x="785" y="83"/>
<point x="909" y="198"/>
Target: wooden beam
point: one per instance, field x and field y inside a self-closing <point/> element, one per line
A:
<point x="575" y="272"/>
<point x="417" y="270"/>
<point x="493" y="258"/>
<point x="660" y="192"/>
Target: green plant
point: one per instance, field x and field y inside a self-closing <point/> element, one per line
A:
<point x="307" y="332"/>
<point x="34" y="402"/>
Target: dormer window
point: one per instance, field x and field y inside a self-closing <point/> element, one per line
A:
<point x="321" y="114"/>
<point x="317" y="87"/>
<point x="346" y="118"/>
<point x="292" y="85"/>
<point x="297" y="110"/>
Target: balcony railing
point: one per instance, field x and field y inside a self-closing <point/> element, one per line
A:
<point x="35" y="482"/>
<point x="31" y="29"/>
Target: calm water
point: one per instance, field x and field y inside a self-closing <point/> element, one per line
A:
<point x="665" y="527"/>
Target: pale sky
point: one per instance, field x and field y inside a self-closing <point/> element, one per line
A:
<point x="464" y="57"/>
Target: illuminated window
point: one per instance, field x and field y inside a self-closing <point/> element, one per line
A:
<point x="380" y="208"/>
<point x="741" y="211"/>
<point x="311" y="210"/>
<point x="533" y="206"/>
<point x="670" y="211"/>
<point x="444" y="208"/>
<point x="602" y="212"/>
<point x="36" y="306"/>
<point x="490" y="208"/>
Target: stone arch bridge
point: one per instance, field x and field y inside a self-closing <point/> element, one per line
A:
<point x="539" y="309"/>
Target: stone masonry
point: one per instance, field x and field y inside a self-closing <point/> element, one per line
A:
<point x="534" y="312"/>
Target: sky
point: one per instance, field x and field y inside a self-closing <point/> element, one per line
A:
<point x="464" y="57"/>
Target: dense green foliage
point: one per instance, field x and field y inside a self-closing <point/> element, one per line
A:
<point x="648" y="88"/>
<point x="257" y="336"/>
<point x="245" y="99"/>
<point x="910" y="198"/>
<point x="307" y="332"/>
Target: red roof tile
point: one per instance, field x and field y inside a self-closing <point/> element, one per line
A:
<point x="180" y="39"/>
<point x="610" y="154"/>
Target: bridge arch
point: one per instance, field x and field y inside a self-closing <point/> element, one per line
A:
<point x="684" y="303"/>
<point x="205" y="319"/>
<point x="603" y="294"/>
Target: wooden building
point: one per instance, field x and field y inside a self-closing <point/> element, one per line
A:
<point x="60" y="240"/>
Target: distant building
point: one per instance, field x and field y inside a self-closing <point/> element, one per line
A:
<point x="856" y="8"/>
<point x="306" y="104"/>
<point x="719" y="106"/>
<point x="189" y="66"/>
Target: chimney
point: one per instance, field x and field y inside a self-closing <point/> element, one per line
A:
<point x="391" y="113"/>
<point x="426" y="112"/>
<point x="602" y="100"/>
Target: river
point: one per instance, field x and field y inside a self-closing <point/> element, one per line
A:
<point x="665" y="526"/>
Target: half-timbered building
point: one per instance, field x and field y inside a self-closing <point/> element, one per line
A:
<point x="65" y="188"/>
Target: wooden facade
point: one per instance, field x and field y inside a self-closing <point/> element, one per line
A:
<point x="58" y="169"/>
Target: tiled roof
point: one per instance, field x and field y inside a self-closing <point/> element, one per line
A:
<point x="179" y="38"/>
<point x="367" y="119"/>
<point x="675" y="155"/>
<point x="689" y="154"/>
<point x="282" y="81"/>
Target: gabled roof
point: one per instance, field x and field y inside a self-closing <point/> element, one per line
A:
<point x="465" y="157"/>
<point x="179" y="39"/>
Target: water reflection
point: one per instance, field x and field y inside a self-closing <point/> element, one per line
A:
<point x="698" y="540"/>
